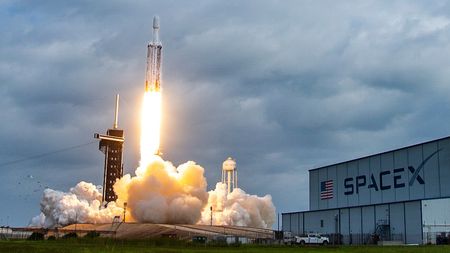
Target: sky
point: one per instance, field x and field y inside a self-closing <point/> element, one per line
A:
<point x="281" y="86"/>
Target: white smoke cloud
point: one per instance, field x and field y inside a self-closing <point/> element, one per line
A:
<point x="158" y="193"/>
<point x="238" y="208"/>
<point x="161" y="193"/>
<point x="81" y="204"/>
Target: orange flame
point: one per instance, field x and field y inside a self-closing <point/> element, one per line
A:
<point x="150" y="126"/>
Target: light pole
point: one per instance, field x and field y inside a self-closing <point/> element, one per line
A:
<point x="211" y="209"/>
<point x="76" y="221"/>
<point x="278" y="221"/>
<point x="124" y="211"/>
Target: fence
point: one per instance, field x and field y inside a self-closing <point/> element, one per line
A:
<point x="7" y="233"/>
<point x="436" y="237"/>
<point x="360" y="238"/>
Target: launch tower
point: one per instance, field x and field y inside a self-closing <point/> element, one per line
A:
<point x="229" y="174"/>
<point x="111" y="145"/>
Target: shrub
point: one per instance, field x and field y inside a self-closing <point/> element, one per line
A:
<point x="92" y="234"/>
<point x="36" y="236"/>
<point x="70" y="235"/>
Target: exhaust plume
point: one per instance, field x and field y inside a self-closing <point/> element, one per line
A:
<point x="157" y="193"/>
<point x="238" y="208"/>
<point x="80" y="205"/>
<point x="150" y="126"/>
<point x="161" y="193"/>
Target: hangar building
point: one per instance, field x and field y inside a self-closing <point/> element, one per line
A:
<point x="399" y="195"/>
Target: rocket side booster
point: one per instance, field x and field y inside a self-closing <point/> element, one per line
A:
<point x="153" y="73"/>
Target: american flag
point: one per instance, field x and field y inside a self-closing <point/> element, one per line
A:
<point x="326" y="189"/>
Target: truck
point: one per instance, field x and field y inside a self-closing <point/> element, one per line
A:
<point x="288" y="238"/>
<point x="312" y="239"/>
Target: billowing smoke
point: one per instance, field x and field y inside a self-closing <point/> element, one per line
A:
<point x="161" y="193"/>
<point x="238" y="208"/>
<point x="158" y="193"/>
<point x="80" y="205"/>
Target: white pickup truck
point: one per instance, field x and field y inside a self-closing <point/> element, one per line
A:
<point x="312" y="239"/>
<point x="288" y="238"/>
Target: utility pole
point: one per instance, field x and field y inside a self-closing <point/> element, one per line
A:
<point x="278" y="222"/>
<point x="124" y="211"/>
<point x="211" y="209"/>
<point x="76" y="221"/>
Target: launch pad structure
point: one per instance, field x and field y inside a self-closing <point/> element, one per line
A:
<point x="145" y="231"/>
<point x="111" y="145"/>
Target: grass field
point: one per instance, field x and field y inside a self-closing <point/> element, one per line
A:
<point x="98" y="246"/>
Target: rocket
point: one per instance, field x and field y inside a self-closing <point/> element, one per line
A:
<point x="153" y="73"/>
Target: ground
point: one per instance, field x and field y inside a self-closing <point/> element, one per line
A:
<point x="168" y="246"/>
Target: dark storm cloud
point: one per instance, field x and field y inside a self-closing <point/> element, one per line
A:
<point x="282" y="86"/>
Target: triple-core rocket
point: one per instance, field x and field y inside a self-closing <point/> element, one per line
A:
<point x="153" y="74"/>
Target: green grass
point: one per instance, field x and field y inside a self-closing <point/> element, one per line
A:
<point x="166" y="246"/>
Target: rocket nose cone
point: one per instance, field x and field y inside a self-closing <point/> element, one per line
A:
<point x="155" y="22"/>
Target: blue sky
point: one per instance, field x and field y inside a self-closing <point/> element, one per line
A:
<point x="281" y="86"/>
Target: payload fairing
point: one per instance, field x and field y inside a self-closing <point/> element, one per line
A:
<point x="153" y="74"/>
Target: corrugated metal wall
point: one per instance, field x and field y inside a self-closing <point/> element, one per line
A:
<point x="356" y="224"/>
<point x="392" y="170"/>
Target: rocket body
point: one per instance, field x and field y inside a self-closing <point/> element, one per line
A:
<point x="153" y="73"/>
